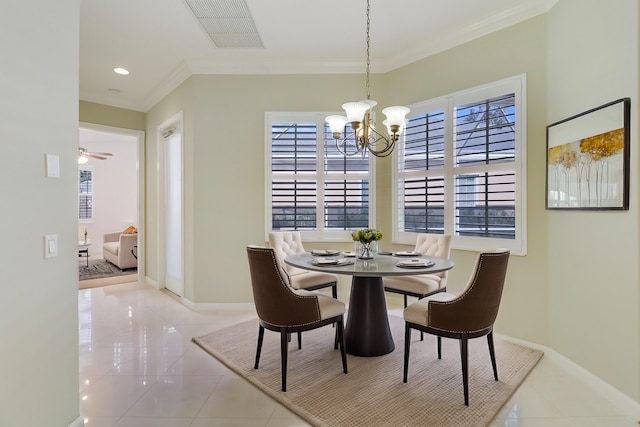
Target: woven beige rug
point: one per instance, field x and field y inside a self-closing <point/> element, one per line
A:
<point x="372" y="393"/>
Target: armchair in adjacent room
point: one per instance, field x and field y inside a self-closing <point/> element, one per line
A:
<point x="119" y="248"/>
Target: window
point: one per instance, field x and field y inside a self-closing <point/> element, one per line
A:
<point x="85" y="197"/>
<point x="311" y="187"/>
<point x="461" y="169"/>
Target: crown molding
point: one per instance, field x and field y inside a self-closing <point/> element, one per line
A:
<point x="181" y="73"/>
<point x="408" y="55"/>
<point x="465" y="33"/>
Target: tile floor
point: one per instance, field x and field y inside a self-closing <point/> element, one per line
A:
<point x="139" y="368"/>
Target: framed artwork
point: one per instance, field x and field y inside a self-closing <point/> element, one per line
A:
<point x="588" y="159"/>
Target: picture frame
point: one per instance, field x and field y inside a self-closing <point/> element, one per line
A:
<point x="588" y="159"/>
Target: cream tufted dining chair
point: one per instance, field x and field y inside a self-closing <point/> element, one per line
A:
<point x="423" y="285"/>
<point x="289" y="243"/>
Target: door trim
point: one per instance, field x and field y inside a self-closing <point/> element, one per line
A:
<point x="174" y="122"/>
<point x="140" y="164"/>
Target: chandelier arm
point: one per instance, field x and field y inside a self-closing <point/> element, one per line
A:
<point x="385" y="151"/>
<point x="341" y="146"/>
<point x="376" y="136"/>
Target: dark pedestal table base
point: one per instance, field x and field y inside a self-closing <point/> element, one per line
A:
<point x="367" y="332"/>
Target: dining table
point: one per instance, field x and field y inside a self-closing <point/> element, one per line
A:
<point x="367" y="332"/>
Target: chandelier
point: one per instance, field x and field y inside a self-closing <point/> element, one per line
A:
<point x="364" y="135"/>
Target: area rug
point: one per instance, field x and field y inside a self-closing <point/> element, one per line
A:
<point x="100" y="268"/>
<point x="372" y="393"/>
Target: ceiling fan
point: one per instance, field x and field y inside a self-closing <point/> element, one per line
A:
<point x="84" y="154"/>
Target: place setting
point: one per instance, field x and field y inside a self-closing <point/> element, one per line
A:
<point x="415" y="263"/>
<point x="406" y="254"/>
<point x="332" y="261"/>
<point x="324" y="252"/>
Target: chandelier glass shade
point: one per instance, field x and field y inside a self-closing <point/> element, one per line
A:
<point x="360" y="116"/>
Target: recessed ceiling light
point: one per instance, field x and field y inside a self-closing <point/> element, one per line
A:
<point x="121" y="70"/>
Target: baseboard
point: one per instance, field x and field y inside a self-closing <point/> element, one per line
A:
<point x="607" y="390"/>
<point x="152" y="282"/>
<point x="218" y="306"/>
<point x="78" y="422"/>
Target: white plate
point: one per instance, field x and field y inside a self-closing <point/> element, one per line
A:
<point x="322" y="252"/>
<point x="415" y="263"/>
<point x="349" y="254"/>
<point x="412" y="253"/>
<point x="325" y="261"/>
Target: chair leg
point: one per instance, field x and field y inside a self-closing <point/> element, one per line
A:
<point x="299" y="340"/>
<point x="259" y="349"/>
<point x="439" y="347"/>
<point x="284" y="344"/>
<point x="334" y="294"/>
<point x="405" y="301"/>
<point x="407" y="344"/>
<point x="464" y="353"/>
<point x="492" y="353"/>
<point x="340" y="340"/>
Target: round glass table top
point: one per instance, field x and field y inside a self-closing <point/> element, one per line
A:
<point x="380" y="265"/>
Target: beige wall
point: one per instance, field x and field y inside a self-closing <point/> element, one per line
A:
<point x="100" y="114"/>
<point x="516" y="50"/>
<point x="224" y="168"/>
<point x="39" y="303"/>
<point x="593" y="256"/>
<point x="554" y="294"/>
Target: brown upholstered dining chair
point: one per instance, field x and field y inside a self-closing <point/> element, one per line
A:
<point x="470" y="314"/>
<point x="423" y="285"/>
<point x="283" y="309"/>
<point x="290" y="243"/>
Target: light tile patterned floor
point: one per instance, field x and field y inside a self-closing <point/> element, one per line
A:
<point x="139" y="368"/>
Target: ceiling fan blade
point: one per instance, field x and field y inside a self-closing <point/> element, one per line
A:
<point x="94" y="156"/>
<point x="102" y="154"/>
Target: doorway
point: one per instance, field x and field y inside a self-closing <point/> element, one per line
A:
<point x="171" y="206"/>
<point x="113" y="199"/>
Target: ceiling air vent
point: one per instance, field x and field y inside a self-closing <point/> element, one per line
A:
<point x="228" y="22"/>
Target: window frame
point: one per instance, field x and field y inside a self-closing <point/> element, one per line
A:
<point x="448" y="103"/>
<point x="90" y="195"/>
<point x="320" y="176"/>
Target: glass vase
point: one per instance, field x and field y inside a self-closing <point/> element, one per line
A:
<point x="366" y="250"/>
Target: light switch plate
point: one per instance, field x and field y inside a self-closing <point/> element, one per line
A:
<point x="50" y="246"/>
<point x="53" y="166"/>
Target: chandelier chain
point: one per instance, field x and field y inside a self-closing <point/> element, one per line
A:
<point x="368" y="59"/>
<point x="365" y="138"/>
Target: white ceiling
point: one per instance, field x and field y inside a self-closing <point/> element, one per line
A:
<point x="161" y="43"/>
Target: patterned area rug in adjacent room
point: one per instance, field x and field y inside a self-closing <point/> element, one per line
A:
<point x="100" y="268"/>
<point x="372" y="393"/>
